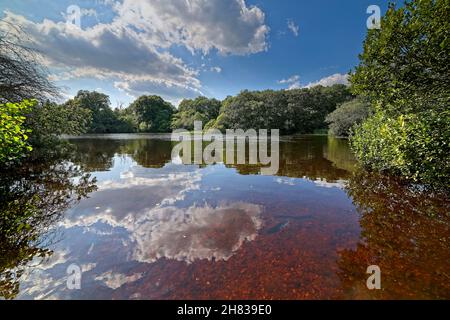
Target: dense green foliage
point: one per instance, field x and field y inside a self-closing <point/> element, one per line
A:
<point x="405" y="64"/>
<point x="153" y="114"/>
<point x="31" y="126"/>
<point x="199" y="109"/>
<point x="50" y="120"/>
<point x="13" y="134"/>
<point x="404" y="69"/>
<point x="415" y="145"/>
<point x="347" y="115"/>
<point x="291" y="111"/>
<point x="103" y="118"/>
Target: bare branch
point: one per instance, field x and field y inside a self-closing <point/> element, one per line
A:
<point x="22" y="76"/>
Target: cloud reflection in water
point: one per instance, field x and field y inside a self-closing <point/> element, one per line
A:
<point x="146" y="203"/>
<point x="196" y="232"/>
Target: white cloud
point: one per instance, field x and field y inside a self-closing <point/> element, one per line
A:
<point x="105" y="52"/>
<point x="294" y="78"/>
<point x="132" y="50"/>
<point x="293" y="27"/>
<point x="330" y="80"/>
<point x="229" y="26"/>
<point x="216" y="69"/>
<point x="293" y="82"/>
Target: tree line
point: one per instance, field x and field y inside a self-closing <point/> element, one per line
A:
<point x="291" y="111"/>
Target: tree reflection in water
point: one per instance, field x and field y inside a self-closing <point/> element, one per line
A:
<point x="33" y="198"/>
<point x="406" y="232"/>
<point x="314" y="157"/>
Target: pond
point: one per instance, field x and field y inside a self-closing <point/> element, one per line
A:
<point x="145" y="227"/>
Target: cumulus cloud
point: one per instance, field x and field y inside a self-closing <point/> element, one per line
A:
<point x="132" y="49"/>
<point x="105" y="52"/>
<point x="329" y="81"/>
<point x="229" y="26"/>
<point x="293" y="27"/>
<point x="294" y="78"/>
<point x="293" y="82"/>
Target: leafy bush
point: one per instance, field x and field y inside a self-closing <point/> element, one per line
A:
<point x="347" y="115"/>
<point x="50" y="120"/>
<point x="13" y="134"/>
<point x="415" y="146"/>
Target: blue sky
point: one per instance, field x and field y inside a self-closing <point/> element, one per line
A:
<point x="185" y="48"/>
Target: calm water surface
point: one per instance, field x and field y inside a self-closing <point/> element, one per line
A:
<point x="153" y="229"/>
